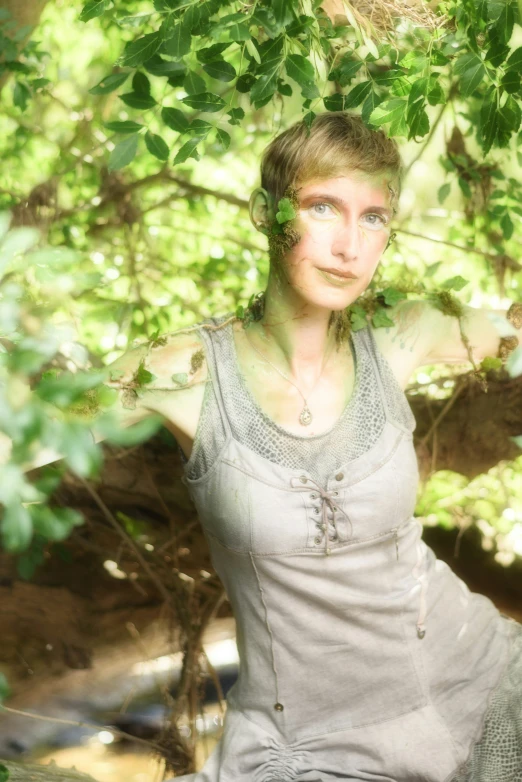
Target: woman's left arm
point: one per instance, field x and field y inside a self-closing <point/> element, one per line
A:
<point x="482" y="327"/>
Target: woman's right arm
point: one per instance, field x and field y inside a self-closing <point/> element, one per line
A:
<point x="179" y="355"/>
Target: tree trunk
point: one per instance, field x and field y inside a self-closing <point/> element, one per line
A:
<point x="19" y="772"/>
<point x="25" y="13"/>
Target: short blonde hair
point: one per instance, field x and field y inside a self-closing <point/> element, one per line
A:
<point x="338" y="142"/>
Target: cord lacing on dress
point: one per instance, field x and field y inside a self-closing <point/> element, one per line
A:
<point x="324" y="522"/>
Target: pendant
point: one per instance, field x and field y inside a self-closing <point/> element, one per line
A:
<point x="306" y="416"/>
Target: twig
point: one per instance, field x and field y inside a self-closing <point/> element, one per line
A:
<point x="426" y="143"/>
<point x="61" y="721"/>
<point x="474" y="250"/>
<point x="121" y="532"/>
<point x="447" y="407"/>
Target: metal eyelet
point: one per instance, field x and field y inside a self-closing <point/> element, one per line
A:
<point x="313" y="496"/>
<point x="318" y="540"/>
<point x="304" y="479"/>
<point x="335" y="493"/>
<point x="317" y="510"/>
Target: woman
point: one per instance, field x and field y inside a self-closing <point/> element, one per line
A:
<point x="363" y="657"/>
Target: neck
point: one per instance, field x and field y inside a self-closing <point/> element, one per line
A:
<point x="293" y="333"/>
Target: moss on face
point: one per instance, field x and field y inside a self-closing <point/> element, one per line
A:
<point x="283" y="236"/>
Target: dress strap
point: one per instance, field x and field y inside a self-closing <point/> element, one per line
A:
<point x="213" y="340"/>
<point x="396" y="406"/>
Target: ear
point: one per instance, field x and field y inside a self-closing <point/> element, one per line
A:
<point x="261" y="211"/>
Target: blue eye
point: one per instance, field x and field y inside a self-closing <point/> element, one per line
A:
<point x="383" y="220"/>
<point x="314" y="210"/>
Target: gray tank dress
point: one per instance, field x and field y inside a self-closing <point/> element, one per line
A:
<point x="362" y="656"/>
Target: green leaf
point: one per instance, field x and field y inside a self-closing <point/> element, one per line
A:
<point x="454" y="283"/>
<point x="488" y="121"/>
<point x="236" y="115"/>
<point x="272" y="56"/>
<point x="418" y="90"/>
<point x="142" y="376"/>
<point x="238" y="32"/>
<point x="16" y="527"/>
<point x="472" y="77"/>
<point x="21" y="95"/>
<point x="109" y="83"/>
<point x="299" y="69"/>
<point x="505" y="22"/>
<point x="464" y="186"/>
<point x="443" y="192"/>
<point x="220" y="70"/>
<point x="157" y="66"/>
<point x="507" y="226"/>
<point x="93" y="8"/>
<point x="199" y="127"/>
<point x="514" y="61"/>
<point x="189" y="149"/>
<point x="263" y="89"/>
<point x="388" y="111"/>
<point x="245" y="82"/>
<point x="156" y="146"/>
<point x="55" y="523"/>
<point x="510" y="82"/>
<point x="417" y="120"/>
<point x="223" y="138"/>
<point x="436" y="94"/>
<point x="204" y="101"/>
<point x="357" y="95"/>
<point x="253" y="52"/>
<point x="358" y="318"/>
<point x="372" y="101"/>
<point x="193" y="84"/>
<point x="211" y="53"/>
<point x="334" y="102"/>
<point x="113" y="432"/>
<point x="137" y="52"/>
<point x="381" y="318"/>
<point x="133" y="21"/>
<point x="347" y="70"/>
<point x="140" y="84"/>
<point x="490" y="363"/>
<point x="308" y="120"/>
<point x="125" y="126"/>
<point x="179" y="42"/>
<point x="286" y="211"/>
<point x="174" y="119"/>
<point x="137" y="101"/>
<point x="180" y="378"/>
<point x="432" y="268"/>
<point x="392" y="296"/>
<point x="123" y="153"/>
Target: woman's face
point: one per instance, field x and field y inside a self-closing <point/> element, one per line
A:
<point x="344" y="226"/>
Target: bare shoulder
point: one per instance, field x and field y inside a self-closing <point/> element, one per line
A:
<point x="178" y="358"/>
<point x="175" y="360"/>
<point x="405" y="344"/>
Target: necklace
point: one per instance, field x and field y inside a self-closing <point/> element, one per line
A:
<point x="305" y="417"/>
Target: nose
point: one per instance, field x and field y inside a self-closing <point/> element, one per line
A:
<point x="347" y="241"/>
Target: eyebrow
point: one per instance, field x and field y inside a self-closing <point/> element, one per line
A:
<point x="341" y="202"/>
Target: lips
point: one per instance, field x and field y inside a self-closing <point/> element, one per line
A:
<point x="346" y="275"/>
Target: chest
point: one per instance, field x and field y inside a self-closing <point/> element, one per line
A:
<point x="250" y="504"/>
